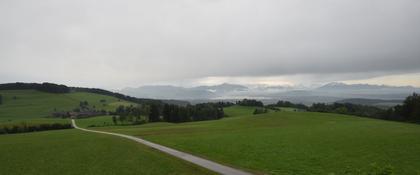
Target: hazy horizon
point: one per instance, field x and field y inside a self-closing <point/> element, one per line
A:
<point x="112" y="45"/>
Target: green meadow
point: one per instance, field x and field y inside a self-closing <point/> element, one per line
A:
<point x="291" y="142"/>
<point x="26" y="104"/>
<point x="72" y="151"/>
<point x="77" y="152"/>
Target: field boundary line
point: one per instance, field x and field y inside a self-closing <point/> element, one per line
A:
<point x="213" y="166"/>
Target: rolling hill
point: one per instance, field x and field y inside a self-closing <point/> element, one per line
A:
<point x="24" y="104"/>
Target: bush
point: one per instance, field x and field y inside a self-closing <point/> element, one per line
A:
<point x="260" y="111"/>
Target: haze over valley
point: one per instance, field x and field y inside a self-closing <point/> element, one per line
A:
<point x="327" y="93"/>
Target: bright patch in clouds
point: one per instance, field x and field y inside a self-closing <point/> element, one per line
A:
<point x="400" y="80"/>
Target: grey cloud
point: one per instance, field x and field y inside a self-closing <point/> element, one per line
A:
<point x="122" y="43"/>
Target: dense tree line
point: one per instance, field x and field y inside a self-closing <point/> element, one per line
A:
<point x="348" y="108"/>
<point x="291" y="105"/>
<point x="24" y="127"/>
<point x="131" y="114"/>
<point x="168" y="113"/>
<point x="250" y="102"/>
<point x="409" y="111"/>
<point x="198" y="112"/>
<point x="222" y="104"/>
<point x="45" y="87"/>
<point x="411" y="108"/>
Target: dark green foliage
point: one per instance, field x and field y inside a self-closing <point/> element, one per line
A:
<point x="53" y="88"/>
<point x="260" y="111"/>
<point x="84" y="105"/>
<point x="222" y="104"/>
<point x="290" y="105"/>
<point x="409" y="111"/>
<point x="130" y="114"/>
<point x="45" y="87"/>
<point x="206" y="111"/>
<point x="198" y="112"/>
<point x="170" y="113"/>
<point x="24" y="127"/>
<point x="114" y="120"/>
<point x="411" y="108"/>
<point x="154" y="115"/>
<point x="348" y="108"/>
<point x="1" y="99"/>
<point x="250" y="102"/>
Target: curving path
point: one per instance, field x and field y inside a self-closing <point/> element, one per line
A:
<point x="213" y="166"/>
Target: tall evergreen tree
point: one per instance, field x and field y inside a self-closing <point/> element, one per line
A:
<point x="154" y="115"/>
<point x="411" y="108"/>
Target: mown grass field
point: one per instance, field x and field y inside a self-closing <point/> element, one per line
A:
<point x="292" y="142"/>
<point x="76" y="152"/>
<point x="26" y="104"/>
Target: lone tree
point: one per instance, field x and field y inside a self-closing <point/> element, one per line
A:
<point x="114" y="119"/>
<point x="411" y="108"/>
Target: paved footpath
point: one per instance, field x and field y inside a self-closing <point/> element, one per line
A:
<point x="213" y="166"/>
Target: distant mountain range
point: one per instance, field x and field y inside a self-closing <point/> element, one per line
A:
<point x="176" y="92"/>
<point x="328" y="93"/>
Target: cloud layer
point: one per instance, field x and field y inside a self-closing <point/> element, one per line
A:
<point x="125" y="43"/>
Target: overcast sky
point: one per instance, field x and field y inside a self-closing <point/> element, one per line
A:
<point x="115" y="44"/>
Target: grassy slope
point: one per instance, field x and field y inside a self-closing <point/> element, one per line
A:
<point x="97" y="121"/>
<point x="36" y="104"/>
<point x="292" y="142"/>
<point x="77" y="152"/>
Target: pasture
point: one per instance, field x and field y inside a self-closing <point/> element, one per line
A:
<point x="29" y="104"/>
<point x="77" y="152"/>
<point x="292" y="142"/>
